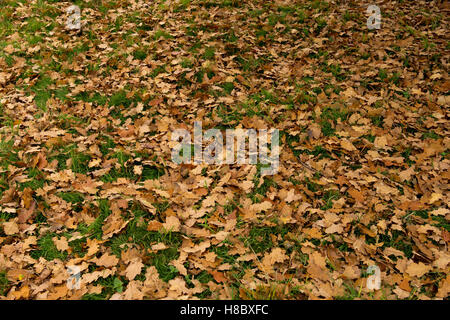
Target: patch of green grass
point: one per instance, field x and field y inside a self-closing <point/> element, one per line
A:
<point x="395" y="78"/>
<point x="107" y="145"/>
<point x="47" y="249"/>
<point x="406" y="154"/>
<point x="187" y="63"/>
<point x="72" y="197"/>
<point x="161" y="261"/>
<point x="93" y="97"/>
<point x="259" y="238"/>
<point x="62" y="154"/>
<point x="406" y="62"/>
<point x="209" y="53"/>
<point x="328" y="198"/>
<point x="4" y="284"/>
<point x="33" y="25"/>
<point x="229" y="36"/>
<point x="259" y="192"/>
<point x="311" y="185"/>
<point x="410" y="30"/>
<point x="204" y="277"/>
<point x="67" y="122"/>
<point x="78" y="246"/>
<point x="158" y="70"/>
<point x="421" y="213"/>
<point x="369" y="137"/>
<point x="222" y="253"/>
<point x="377" y="120"/>
<point x="5" y="216"/>
<point x="327" y="128"/>
<point x="161" y="207"/>
<point x="221" y="3"/>
<point x="347" y="16"/>
<point x="95" y="229"/>
<point x="334" y="114"/>
<point x="321" y="24"/>
<point x="152" y="172"/>
<point x="442" y="222"/>
<point x="80" y="162"/>
<point x="33" y="39"/>
<point x="204" y="295"/>
<point x="161" y="33"/>
<point x="351" y="293"/>
<point x="330" y="116"/>
<point x="335" y="70"/>
<point x="182" y="5"/>
<point x="124" y="171"/>
<point x="6" y="25"/>
<point x="110" y="286"/>
<point x="120" y="99"/>
<point x="230" y="116"/>
<point x="35" y="179"/>
<point x="42" y="91"/>
<point x="397" y="240"/>
<point x="138" y="235"/>
<point x="140" y="54"/>
<point x="382" y="74"/>
<point x="430" y="135"/>
<point x="250" y="63"/>
<point x="227" y="87"/>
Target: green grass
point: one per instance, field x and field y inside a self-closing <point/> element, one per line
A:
<point x="120" y="99"/>
<point x="125" y="169"/>
<point x="158" y="70"/>
<point x="140" y="54"/>
<point x="377" y="120"/>
<point x="35" y="179"/>
<point x="110" y="285"/>
<point x="138" y="235"/>
<point x="382" y="74"/>
<point x="72" y="197"/>
<point x="259" y="238"/>
<point x="8" y="153"/>
<point x="78" y="246"/>
<point x="430" y="135"/>
<point x="329" y="117"/>
<point x="351" y="293"/>
<point x="47" y="249"/>
<point x="152" y="172"/>
<point x="334" y="114"/>
<point x="222" y="252"/>
<point x="162" y="34"/>
<point x="204" y="47"/>
<point x="161" y="261"/>
<point x="327" y="128"/>
<point x="96" y="98"/>
<point x="442" y="222"/>
<point x="95" y="229"/>
<point x="209" y="53"/>
<point x="397" y="240"/>
<point x="4" y="284"/>
<point x="328" y="198"/>
<point x="79" y="160"/>
<point x="42" y="92"/>
<point x="107" y="145"/>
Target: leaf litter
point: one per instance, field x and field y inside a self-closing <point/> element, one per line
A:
<point x="87" y="180"/>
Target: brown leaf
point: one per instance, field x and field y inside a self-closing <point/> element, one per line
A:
<point x="133" y="269"/>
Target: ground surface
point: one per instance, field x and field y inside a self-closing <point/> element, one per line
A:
<point x="86" y="173"/>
